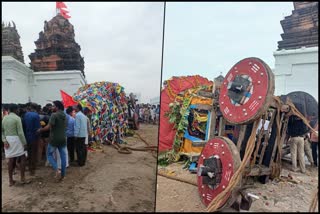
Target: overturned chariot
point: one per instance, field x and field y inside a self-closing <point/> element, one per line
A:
<point x="247" y="128"/>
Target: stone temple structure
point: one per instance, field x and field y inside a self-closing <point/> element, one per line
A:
<point x="56" y="65"/>
<point x="56" y="48"/>
<point x="301" y="28"/>
<point x="11" y="42"/>
<point x="296" y="60"/>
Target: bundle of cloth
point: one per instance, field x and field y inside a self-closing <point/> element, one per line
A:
<point x="108" y="104"/>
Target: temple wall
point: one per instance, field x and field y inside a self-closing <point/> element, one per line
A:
<point x="21" y="85"/>
<point x="15" y="81"/>
<point x="47" y="85"/>
<point x="296" y="70"/>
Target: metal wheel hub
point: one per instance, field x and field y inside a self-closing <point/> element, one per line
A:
<point x="211" y="171"/>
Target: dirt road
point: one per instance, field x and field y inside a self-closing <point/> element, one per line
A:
<point x="109" y="182"/>
<point x="274" y="196"/>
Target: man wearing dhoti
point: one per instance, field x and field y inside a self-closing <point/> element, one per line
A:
<point x="15" y="144"/>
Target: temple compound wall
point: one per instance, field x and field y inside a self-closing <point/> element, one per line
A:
<point x="297" y="70"/>
<point x="21" y="85"/>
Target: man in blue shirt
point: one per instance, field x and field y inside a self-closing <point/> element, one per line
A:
<point x="80" y="134"/>
<point x="70" y="133"/>
<point x="31" y="123"/>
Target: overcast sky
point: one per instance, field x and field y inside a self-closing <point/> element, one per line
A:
<point x="207" y="38"/>
<point x="120" y="42"/>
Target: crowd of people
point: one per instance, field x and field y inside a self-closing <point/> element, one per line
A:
<point x="148" y="113"/>
<point x="31" y="134"/>
<point x="59" y="137"/>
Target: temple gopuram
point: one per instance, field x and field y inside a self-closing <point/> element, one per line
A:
<point x="56" y="48"/>
<point x="11" y="42"/>
<point x="56" y="64"/>
<point x="301" y="28"/>
<point x="296" y="59"/>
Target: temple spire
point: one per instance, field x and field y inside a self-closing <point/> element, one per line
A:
<point x="301" y="27"/>
<point x="11" y="42"/>
<point x="56" y="48"/>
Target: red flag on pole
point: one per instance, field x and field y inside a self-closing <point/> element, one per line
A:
<point x="67" y="99"/>
<point x="63" y="12"/>
<point x="66" y="16"/>
<point x="60" y="5"/>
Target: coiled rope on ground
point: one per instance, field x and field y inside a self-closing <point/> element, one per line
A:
<point x="128" y="149"/>
<point x="177" y="179"/>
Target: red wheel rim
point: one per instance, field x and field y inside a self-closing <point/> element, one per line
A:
<point x="230" y="159"/>
<point x="258" y="97"/>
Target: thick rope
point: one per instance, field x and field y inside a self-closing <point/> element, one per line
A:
<point x="155" y="155"/>
<point x="177" y="179"/>
<point x="121" y="149"/>
<point x="141" y="138"/>
<point x="128" y="149"/>
<point x="314" y="201"/>
<point x="142" y="148"/>
<point x="216" y="202"/>
<point x="297" y="113"/>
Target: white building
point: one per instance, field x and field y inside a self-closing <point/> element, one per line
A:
<point x="296" y="70"/>
<point x="21" y="85"/>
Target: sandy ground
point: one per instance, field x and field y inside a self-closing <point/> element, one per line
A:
<point x="109" y="182"/>
<point x="274" y="196"/>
